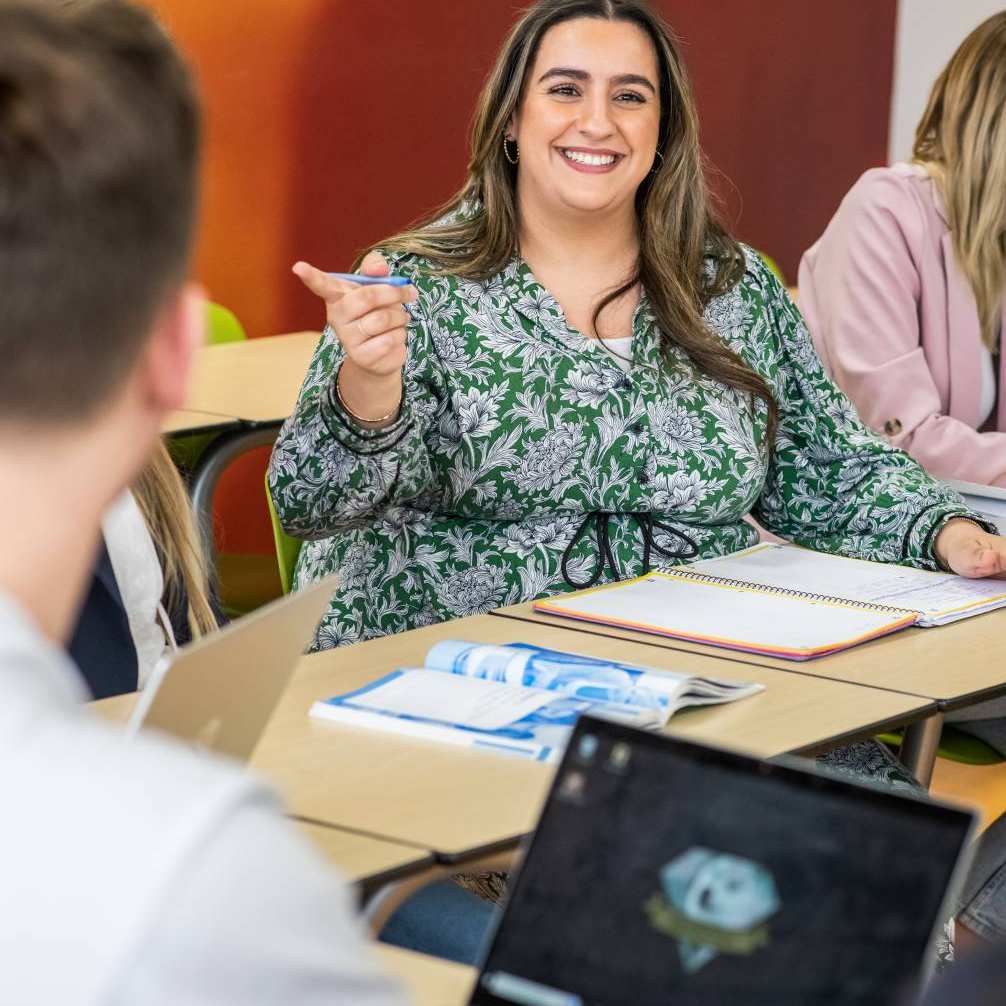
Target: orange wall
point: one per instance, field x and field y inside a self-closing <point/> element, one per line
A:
<point x="330" y="123"/>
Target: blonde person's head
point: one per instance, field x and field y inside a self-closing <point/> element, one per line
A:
<point x="477" y="232"/>
<point x="167" y="510"/>
<point x="962" y="139"/>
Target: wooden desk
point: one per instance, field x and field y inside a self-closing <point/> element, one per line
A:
<point x="464" y="803"/>
<point x="954" y="665"/>
<point x="185" y="421"/>
<point x="256" y="380"/>
<point x="429" y="981"/>
<point x="363" y="859"/>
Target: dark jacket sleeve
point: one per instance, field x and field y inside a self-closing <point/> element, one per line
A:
<point x="101" y="645"/>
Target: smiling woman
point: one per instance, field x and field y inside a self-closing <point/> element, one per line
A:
<point x="588" y="375"/>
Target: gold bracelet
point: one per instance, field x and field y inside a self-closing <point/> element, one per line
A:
<point x="360" y="419"/>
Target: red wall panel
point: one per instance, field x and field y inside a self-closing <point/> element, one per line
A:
<point x="794" y="100"/>
<point x="331" y="123"/>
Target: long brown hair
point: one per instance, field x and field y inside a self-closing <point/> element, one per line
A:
<point x="961" y="139"/>
<point x="686" y="256"/>
<point x="167" y="510"/>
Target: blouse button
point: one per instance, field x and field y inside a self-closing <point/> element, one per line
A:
<point x="636" y="428"/>
<point x="624" y="384"/>
<point x="892" y="427"/>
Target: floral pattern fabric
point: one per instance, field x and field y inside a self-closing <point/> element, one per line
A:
<point x="525" y="462"/>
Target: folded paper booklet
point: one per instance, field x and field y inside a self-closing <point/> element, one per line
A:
<point x="781" y="600"/>
<point x="519" y="699"/>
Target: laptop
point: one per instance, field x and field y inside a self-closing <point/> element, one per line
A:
<point x="220" y="691"/>
<point x="989" y="501"/>
<point x="664" y="873"/>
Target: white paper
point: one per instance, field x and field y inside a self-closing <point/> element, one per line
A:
<point x="706" y="611"/>
<point x="933" y="595"/>
<point x="470" y="702"/>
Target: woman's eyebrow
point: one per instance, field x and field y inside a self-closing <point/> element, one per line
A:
<point x="633" y="78"/>
<point x="576" y="74"/>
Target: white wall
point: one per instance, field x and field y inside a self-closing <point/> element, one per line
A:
<point x="928" y="33"/>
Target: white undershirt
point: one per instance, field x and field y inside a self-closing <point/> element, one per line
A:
<point x="140" y="579"/>
<point x="987" y="399"/>
<point x="621" y="351"/>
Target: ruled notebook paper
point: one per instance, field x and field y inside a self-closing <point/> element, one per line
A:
<point x="938" y="598"/>
<point x="742" y="617"/>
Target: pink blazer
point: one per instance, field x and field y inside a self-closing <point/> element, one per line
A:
<point x="896" y="325"/>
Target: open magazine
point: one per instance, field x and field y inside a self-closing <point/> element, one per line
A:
<point x="519" y="699"/>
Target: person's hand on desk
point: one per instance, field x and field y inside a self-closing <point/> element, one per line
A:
<point x="370" y="323"/>
<point x="968" y="550"/>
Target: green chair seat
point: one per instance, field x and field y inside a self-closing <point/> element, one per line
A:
<point x="955" y="745"/>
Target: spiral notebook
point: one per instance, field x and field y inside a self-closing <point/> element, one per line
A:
<point x="781" y="600"/>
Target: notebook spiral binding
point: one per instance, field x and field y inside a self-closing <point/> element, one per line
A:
<point x="803" y="595"/>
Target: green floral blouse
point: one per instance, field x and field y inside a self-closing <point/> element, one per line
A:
<point x="525" y="462"/>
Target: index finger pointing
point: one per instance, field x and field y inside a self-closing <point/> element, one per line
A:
<point x="320" y="283"/>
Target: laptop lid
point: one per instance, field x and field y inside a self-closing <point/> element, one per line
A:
<point x="663" y="872"/>
<point x="220" y="691"/>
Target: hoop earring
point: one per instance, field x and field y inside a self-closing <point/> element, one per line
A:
<point x="657" y="166"/>
<point x="506" y="150"/>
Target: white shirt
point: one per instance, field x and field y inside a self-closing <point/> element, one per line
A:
<point x="140" y="579"/>
<point x="621" y="351"/>
<point x="139" y="872"/>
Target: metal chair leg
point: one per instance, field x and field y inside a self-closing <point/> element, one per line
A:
<point x="919" y="746"/>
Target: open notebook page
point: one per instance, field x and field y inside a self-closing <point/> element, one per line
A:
<point x="936" y="596"/>
<point x="739" y="618"/>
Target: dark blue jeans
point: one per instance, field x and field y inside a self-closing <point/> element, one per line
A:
<point x="444" y="920"/>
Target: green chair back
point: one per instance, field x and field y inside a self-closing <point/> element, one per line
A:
<point x="222" y="326"/>
<point x="287" y="548"/>
<point x="773" y="266"/>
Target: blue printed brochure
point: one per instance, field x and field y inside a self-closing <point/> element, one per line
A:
<point x="519" y="699"/>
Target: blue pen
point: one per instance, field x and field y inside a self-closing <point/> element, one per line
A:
<point x="353" y="277"/>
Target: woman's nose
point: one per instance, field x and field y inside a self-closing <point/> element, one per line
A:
<point x="595" y="118"/>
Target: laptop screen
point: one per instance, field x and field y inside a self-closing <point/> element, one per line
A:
<point x="667" y="873"/>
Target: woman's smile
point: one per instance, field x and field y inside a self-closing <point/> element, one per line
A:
<point x="590" y="160"/>
<point x="591" y="107"/>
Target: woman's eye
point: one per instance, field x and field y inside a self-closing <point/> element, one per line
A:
<point x="630" y="97"/>
<point x="565" y="90"/>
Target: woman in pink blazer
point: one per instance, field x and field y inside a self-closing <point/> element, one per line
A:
<point x="905" y="292"/>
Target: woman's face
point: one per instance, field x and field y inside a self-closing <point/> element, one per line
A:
<point x="589" y="119"/>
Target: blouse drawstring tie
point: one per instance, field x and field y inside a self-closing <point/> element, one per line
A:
<point x="605" y="557"/>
